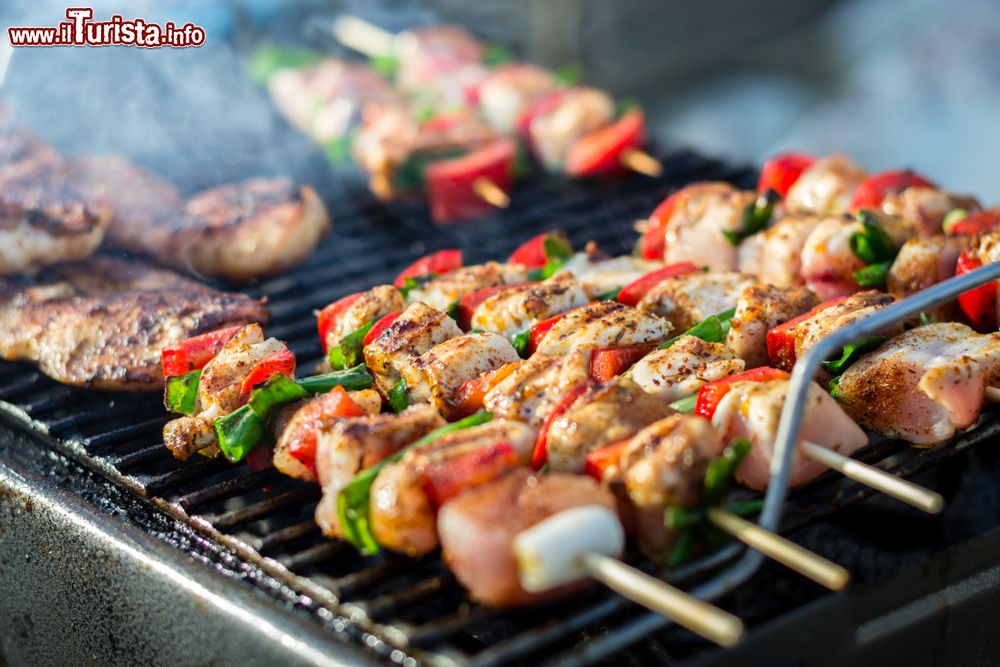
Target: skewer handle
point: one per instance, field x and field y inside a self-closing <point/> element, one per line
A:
<point x="490" y="192"/>
<point x="363" y="36"/>
<point x="900" y="489"/>
<point x="786" y="552"/>
<point x="696" y="615"/>
<point x="639" y="160"/>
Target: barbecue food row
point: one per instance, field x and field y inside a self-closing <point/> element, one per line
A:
<point x="55" y="209"/>
<point x="639" y="385"/>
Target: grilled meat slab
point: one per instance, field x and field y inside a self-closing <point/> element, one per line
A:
<point x="102" y="323"/>
<point x="238" y="231"/>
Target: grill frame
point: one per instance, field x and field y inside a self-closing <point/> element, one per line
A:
<point x="628" y="199"/>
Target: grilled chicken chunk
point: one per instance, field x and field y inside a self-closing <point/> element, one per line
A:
<point x="599" y="275"/>
<point x="102" y="323"/>
<point x="603" y="324"/>
<point x="759" y="308"/>
<point x="297" y="426"/>
<point x="601" y="416"/>
<point x="402" y="511"/>
<point x="686" y="300"/>
<point x="511" y="311"/>
<point x="219" y="392"/>
<point x="826" y="187"/>
<point x="239" y="231"/>
<point x="536" y="386"/>
<point x="390" y="357"/>
<point x="752" y="410"/>
<point x="509" y="90"/>
<point x="924" y="384"/>
<point x="373" y="304"/>
<point x="579" y="111"/>
<point x="355" y="444"/>
<point x="682" y="369"/>
<point x="44" y="218"/>
<point x="924" y="208"/>
<point x="445" y="290"/>
<point x="477" y="530"/>
<point x="694" y="229"/>
<point x="437" y="374"/>
<point x="664" y="466"/>
<point x="923" y="262"/>
<point x="775" y="254"/>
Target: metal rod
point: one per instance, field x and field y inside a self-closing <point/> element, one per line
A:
<point x="900" y="489"/>
<point x="822" y="571"/>
<point x="686" y="610"/>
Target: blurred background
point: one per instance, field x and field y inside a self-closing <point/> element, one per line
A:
<point x="914" y="83"/>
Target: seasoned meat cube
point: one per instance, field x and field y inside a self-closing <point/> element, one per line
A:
<point x="102" y="323"/>
<point x="682" y="369"/>
<point x="760" y="308"/>
<point x="826" y="187"/>
<point x="355" y="444"/>
<point x="509" y="90"/>
<point x="415" y="331"/>
<point x="511" y="311"/>
<point x="601" y="416"/>
<point x="686" y="300"/>
<point x="694" y="229"/>
<point x="924" y="384"/>
<point x="402" y="513"/>
<point x="774" y="255"/>
<point x="579" y="111"/>
<point x="373" y="304"/>
<point x="603" y="324"/>
<point x="445" y="290"/>
<point x="924" y="262"/>
<point x="437" y="374"/>
<point x="598" y="276"/>
<point x="924" y="208"/>
<point x="535" y="387"/>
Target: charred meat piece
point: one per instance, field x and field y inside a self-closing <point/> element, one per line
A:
<point x="601" y="416"/>
<point x="239" y="231"/>
<point x="686" y="300"/>
<point x="536" y="386"/>
<point x="826" y="187"/>
<point x="477" y="530"/>
<point x="402" y="510"/>
<point x="924" y="208"/>
<point x="599" y="275"/>
<point x="924" y="384"/>
<point x="681" y="369"/>
<point x="102" y="323"/>
<point x="445" y="290"/>
<point x="603" y="324"/>
<point x="511" y="311"/>
<point x="923" y="262"/>
<point x="758" y="309"/>
<point x="373" y="304"/>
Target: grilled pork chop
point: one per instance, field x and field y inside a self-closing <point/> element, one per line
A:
<point x="102" y="323"/>
<point x="239" y="231"/>
<point x="44" y="219"/>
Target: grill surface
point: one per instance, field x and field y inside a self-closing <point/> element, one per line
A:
<point x="407" y="610"/>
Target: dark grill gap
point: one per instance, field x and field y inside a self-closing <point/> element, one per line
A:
<point x="407" y="609"/>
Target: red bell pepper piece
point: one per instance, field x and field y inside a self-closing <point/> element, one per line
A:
<point x="653" y="241"/>
<point x="467" y="304"/>
<point x="469" y="397"/>
<point x="780" y="172"/>
<point x="282" y="361"/>
<point x="976" y="222"/>
<point x="531" y="254"/>
<point x="192" y="354"/>
<point x="600" y="152"/>
<point x="610" y="362"/>
<point x="335" y="403"/>
<point x="781" y="339"/>
<point x="379" y="328"/>
<point x="443" y="480"/>
<point x="978" y="304"/>
<point x="541" y="452"/>
<point x="600" y="460"/>
<point x="451" y="183"/>
<point x="711" y="394"/>
<point x="539" y="331"/>
<point x="877" y="187"/>
<point x="327" y="318"/>
<point x="438" y="263"/>
<point x="632" y="293"/>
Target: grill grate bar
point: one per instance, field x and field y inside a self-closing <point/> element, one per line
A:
<point x="384" y="605"/>
<point x="238" y="517"/>
<point x="228" y="488"/>
<point x="147" y="454"/>
<point x="125" y="432"/>
<point x="278" y="538"/>
<point x="157" y="485"/>
<point x="447" y="626"/>
<point x="314" y="554"/>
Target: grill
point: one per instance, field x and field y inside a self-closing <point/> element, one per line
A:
<point x="412" y="611"/>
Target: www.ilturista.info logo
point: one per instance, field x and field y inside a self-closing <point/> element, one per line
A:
<point x="80" y="30"/>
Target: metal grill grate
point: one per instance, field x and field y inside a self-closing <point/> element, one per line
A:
<point x="404" y="610"/>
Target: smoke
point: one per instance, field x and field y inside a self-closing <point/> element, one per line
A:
<point x="192" y="115"/>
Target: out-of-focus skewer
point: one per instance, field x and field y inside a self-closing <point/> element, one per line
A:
<point x="490" y="192"/>
<point x="641" y="162"/>
<point x="583" y="541"/>
<point x="364" y="37"/>
<point x="900" y="489"/>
